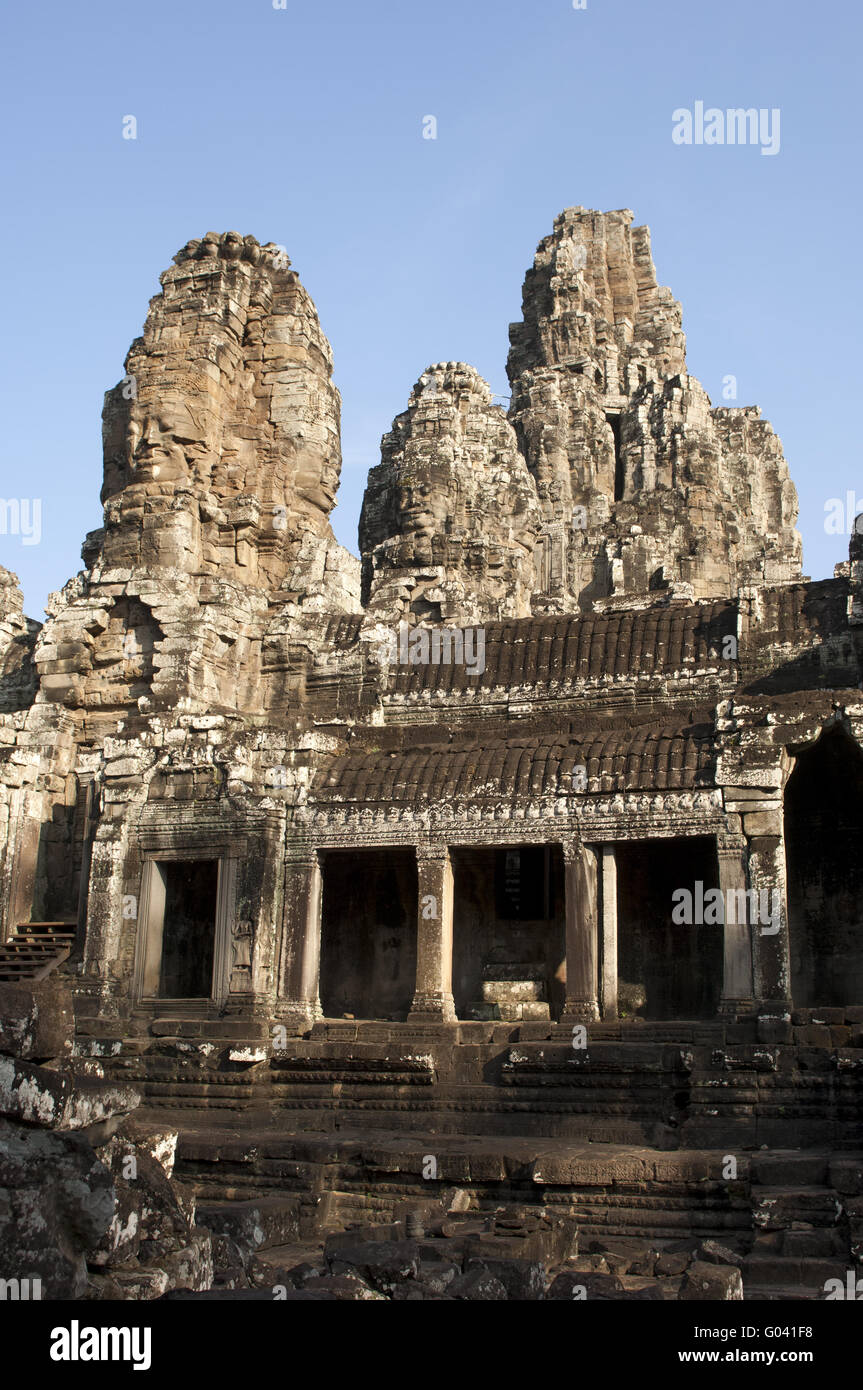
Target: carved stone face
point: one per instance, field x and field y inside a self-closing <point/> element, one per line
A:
<point x="169" y="441"/>
<point x="316" y="482"/>
<point x="416" y="508"/>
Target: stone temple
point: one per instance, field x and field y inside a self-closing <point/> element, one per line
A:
<point x="499" y="890"/>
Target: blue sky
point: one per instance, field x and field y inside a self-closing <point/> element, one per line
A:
<point x="304" y="126"/>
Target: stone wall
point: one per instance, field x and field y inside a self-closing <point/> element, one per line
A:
<point x="218" y="683"/>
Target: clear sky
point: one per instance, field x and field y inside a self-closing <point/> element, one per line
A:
<point x="304" y="126"/>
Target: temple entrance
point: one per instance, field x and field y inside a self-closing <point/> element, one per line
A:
<point x="368" y="933"/>
<point x="189" y="930"/>
<point x="669" y="962"/>
<point x="184" y="922"/>
<point x="823" y="841"/>
<point x="509" y="935"/>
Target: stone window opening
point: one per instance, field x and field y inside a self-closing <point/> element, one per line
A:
<point x="619" y="467"/>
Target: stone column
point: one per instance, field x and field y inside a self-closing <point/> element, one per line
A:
<point x="609" y="931"/>
<point x="21" y="859"/>
<point x="298" y="1003"/>
<point x="433" y="1001"/>
<point x="582" y="933"/>
<point x="770" y="940"/>
<point x="737" y="994"/>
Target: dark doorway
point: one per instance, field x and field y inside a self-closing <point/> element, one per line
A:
<point x="368" y="933"/>
<point x="667" y="969"/>
<point x="189" y="932"/>
<point x="823" y="842"/>
<point x="619" y="465"/>
<point x="509" y="935"/>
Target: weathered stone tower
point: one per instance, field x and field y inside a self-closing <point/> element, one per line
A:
<point x="450" y="519"/>
<point x="645" y="489"/>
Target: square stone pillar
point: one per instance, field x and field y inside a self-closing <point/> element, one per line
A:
<point x="582" y="933"/>
<point x="737" y="986"/>
<point x="298" y="1003"/>
<point x="770" y="941"/>
<point x="609" y="931"/>
<point x="433" y="1001"/>
<point x="21" y="860"/>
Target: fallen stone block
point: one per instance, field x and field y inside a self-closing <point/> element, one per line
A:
<point x="56" y="1203"/>
<point x="255" y="1225"/>
<point x="226" y="1254"/>
<point x="37" y="1021"/>
<point x="154" y="1216"/>
<point x="478" y="1285"/>
<point x="345" y="1286"/>
<point x="581" y="1286"/>
<point x="523" y="1280"/>
<point x="159" y="1141"/>
<point x="192" y="1266"/>
<point x="39" y="1096"/>
<point x="710" y="1282"/>
<point x="383" y="1264"/>
<point x="714" y="1253"/>
<point x="133" y="1284"/>
<point x="671" y="1263"/>
<point x="438" y="1275"/>
<point x="643" y="1264"/>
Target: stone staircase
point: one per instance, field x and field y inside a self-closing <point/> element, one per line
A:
<point x="35" y="950"/>
<point x="189" y="1062"/>
<point x="785" y="1218"/>
<point x="652" y="1133"/>
<point x="775" y="1095"/>
<point x="803" y="1229"/>
<point x="666" y="1085"/>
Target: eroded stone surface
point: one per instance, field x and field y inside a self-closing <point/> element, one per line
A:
<point x="450" y="518"/>
<point x="644" y="486"/>
<point x="246" y="789"/>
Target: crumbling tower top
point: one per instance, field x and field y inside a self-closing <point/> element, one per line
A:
<point x="644" y="487"/>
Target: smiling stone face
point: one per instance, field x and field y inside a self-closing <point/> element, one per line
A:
<point x="450" y="516"/>
<point x="170" y="441"/>
<point x="416" y="503"/>
<point x="227" y="417"/>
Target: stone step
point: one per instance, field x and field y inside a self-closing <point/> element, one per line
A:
<point x="778" y="1208"/>
<point x="822" y="1243"/>
<point x="258" y="1224"/>
<point x="775" y="1293"/>
<point x="780" y="1271"/>
<point x="791" y="1169"/>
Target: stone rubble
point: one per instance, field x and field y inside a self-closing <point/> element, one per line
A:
<point x="88" y="1205"/>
